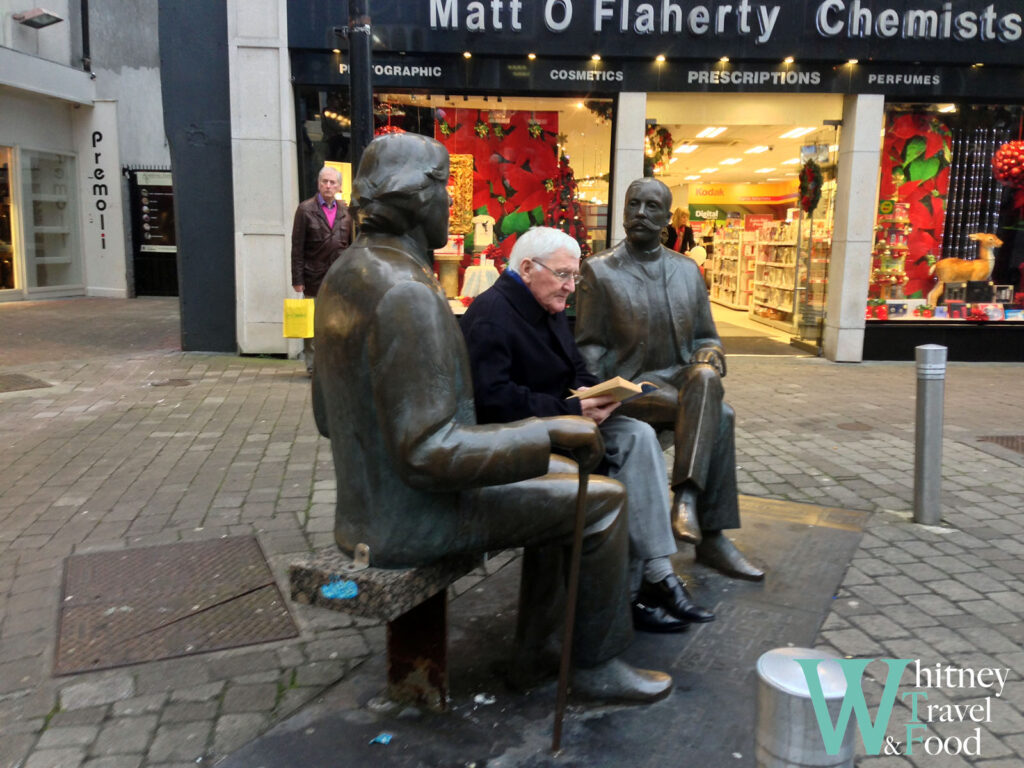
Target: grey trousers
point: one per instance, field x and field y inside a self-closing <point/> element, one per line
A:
<point x="633" y="456"/>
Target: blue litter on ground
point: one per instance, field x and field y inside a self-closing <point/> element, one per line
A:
<point x="381" y="738"/>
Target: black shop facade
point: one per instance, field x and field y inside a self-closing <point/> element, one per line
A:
<point x="550" y="108"/>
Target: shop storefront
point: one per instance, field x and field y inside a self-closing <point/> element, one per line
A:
<point x="602" y="89"/>
<point x="946" y="257"/>
<point x="61" y="231"/>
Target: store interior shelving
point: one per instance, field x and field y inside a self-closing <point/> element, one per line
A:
<point x="813" y="252"/>
<point x="774" y="279"/>
<point x="729" y="269"/>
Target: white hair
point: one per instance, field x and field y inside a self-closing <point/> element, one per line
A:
<point x="329" y="169"/>
<point x="538" y="242"/>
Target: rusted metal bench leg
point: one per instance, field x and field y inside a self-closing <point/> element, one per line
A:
<point x="418" y="654"/>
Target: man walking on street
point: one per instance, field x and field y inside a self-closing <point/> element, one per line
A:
<point x="321" y="231"/>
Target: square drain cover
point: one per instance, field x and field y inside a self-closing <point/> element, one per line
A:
<point x="16" y="382"/>
<point x="1013" y="442"/>
<point x="130" y="606"/>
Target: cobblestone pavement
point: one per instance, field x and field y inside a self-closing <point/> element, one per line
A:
<point x="153" y="446"/>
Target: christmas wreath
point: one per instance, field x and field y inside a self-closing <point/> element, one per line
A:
<point x="659" y="144"/>
<point x="810" y="186"/>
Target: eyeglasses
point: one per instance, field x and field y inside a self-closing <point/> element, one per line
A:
<point x="563" y="276"/>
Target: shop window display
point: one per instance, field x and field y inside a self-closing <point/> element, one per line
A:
<point x="50" y="220"/>
<point x="517" y="162"/>
<point x="945" y="245"/>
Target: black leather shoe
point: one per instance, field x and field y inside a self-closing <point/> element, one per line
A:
<point x="718" y="552"/>
<point x="671" y="594"/>
<point x="654" y="618"/>
<point x="617" y="681"/>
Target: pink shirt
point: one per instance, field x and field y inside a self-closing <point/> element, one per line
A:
<point x="330" y="211"/>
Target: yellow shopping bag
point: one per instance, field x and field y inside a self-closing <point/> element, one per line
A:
<point x="298" y="318"/>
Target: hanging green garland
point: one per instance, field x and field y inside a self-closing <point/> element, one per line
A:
<point x="811" y="179"/>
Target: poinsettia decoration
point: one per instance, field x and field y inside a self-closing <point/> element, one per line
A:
<point x="510" y="166"/>
<point x="916" y="156"/>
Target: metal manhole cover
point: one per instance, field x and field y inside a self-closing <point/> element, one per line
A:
<point x="130" y="606"/>
<point x="1013" y="442"/>
<point x="16" y="382"/>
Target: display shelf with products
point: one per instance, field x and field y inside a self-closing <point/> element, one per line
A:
<point x="813" y="252"/>
<point x="774" y="279"/>
<point x="728" y="271"/>
<point x="888" y="257"/>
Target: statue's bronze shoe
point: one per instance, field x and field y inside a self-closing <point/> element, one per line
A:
<point x="684" y="517"/>
<point x="718" y="552"/>
<point x="671" y="594"/>
<point x="617" y="681"/>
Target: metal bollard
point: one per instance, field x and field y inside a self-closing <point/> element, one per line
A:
<point x="931" y="384"/>
<point x="788" y="735"/>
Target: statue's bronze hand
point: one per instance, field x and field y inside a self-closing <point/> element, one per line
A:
<point x="712" y="357"/>
<point x="579" y="437"/>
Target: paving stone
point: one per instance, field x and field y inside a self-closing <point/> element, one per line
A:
<point x="249" y="698"/>
<point x="180" y="741"/>
<point x="114" y="761"/>
<point x="68" y="736"/>
<point x="67" y="757"/>
<point x="235" y="730"/>
<point x="853" y="642"/>
<point x="187" y="711"/>
<point x="878" y="626"/>
<point x="269" y="676"/>
<point x="344" y="646"/>
<point x="87" y="716"/>
<point x="139" y="705"/>
<point x="90" y="694"/>
<point x="203" y="692"/>
<point x="319" y="673"/>
<point x="294" y="698"/>
<point x="14" y="747"/>
<point x="125" y="735"/>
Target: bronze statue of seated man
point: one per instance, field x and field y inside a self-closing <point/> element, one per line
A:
<point x="643" y="314"/>
<point x="417" y="477"/>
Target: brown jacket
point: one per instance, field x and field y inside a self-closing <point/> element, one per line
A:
<point x="315" y="246"/>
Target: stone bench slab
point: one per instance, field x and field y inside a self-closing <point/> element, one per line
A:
<point x="325" y="579"/>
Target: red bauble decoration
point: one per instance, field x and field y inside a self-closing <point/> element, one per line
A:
<point x="1008" y="164"/>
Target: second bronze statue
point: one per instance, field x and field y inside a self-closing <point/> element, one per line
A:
<point x="643" y="313"/>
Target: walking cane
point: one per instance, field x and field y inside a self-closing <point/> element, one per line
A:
<point x="570" y="611"/>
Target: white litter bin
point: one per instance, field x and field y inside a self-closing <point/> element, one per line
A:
<point x="788" y="735"/>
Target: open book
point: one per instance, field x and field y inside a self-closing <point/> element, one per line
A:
<point x="619" y="388"/>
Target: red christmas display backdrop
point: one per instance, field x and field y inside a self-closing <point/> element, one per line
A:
<point x="515" y="166"/>
<point x="916" y="154"/>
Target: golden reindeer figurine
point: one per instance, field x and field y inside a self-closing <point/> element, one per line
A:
<point x="962" y="270"/>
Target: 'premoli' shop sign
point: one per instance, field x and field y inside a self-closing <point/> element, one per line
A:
<point x="939" y="31"/>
